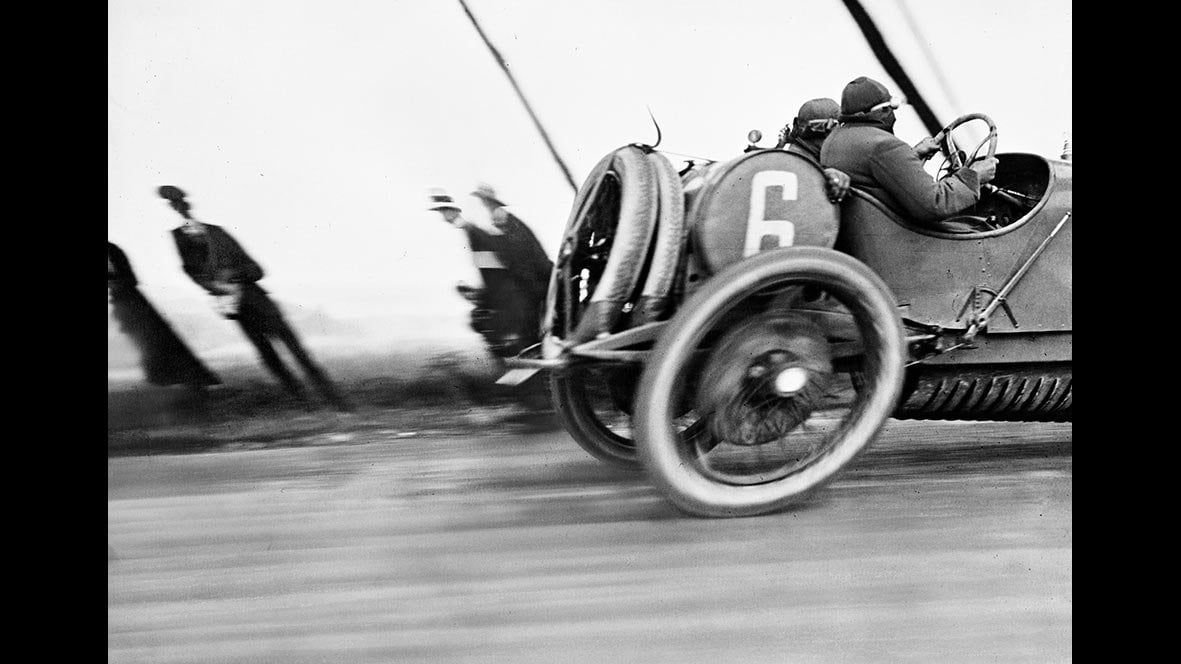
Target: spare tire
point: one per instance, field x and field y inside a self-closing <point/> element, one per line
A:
<point x="606" y="242"/>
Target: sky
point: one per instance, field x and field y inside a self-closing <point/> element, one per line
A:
<point x="312" y="130"/>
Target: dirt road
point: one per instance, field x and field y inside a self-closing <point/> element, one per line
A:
<point x="947" y="542"/>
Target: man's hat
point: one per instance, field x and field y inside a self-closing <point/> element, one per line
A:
<point x="171" y="193"/>
<point x="818" y="115"/>
<point x="862" y="95"/>
<point x="440" y="200"/>
<point x="486" y="192"/>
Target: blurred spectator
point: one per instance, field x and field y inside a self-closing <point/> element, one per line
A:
<point x="522" y="254"/>
<point x="507" y="305"/>
<point x="525" y="256"/>
<point x="216" y="262"/>
<point x="165" y="358"/>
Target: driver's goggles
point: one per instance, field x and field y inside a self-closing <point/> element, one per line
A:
<point x="894" y="102"/>
<point x="822" y="125"/>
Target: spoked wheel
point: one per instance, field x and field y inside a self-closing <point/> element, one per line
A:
<point x="606" y="240"/>
<point x="594" y="406"/>
<point x="774" y="340"/>
<point x="605" y="271"/>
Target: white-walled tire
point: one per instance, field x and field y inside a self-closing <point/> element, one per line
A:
<point x="684" y="469"/>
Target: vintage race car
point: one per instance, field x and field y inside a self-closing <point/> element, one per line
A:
<point x="742" y="338"/>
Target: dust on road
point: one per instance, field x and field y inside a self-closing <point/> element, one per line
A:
<point x="946" y="542"/>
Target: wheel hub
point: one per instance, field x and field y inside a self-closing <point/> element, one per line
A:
<point x="764" y="378"/>
<point x="791" y="381"/>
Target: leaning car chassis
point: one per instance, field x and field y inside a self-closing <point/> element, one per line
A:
<point x="714" y="328"/>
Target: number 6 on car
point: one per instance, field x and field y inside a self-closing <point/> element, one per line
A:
<point x="763" y="232"/>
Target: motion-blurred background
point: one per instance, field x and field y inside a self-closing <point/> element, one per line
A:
<point x="312" y="131"/>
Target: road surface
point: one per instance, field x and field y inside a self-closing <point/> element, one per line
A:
<point x="947" y="542"/>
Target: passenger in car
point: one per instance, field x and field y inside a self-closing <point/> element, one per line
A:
<point x="813" y="123"/>
<point x="806" y="134"/>
<point x="865" y="147"/>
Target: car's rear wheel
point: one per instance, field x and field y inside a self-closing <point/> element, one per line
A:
<point x="591" y="402"/>
<point x="779" y="416"/>
<point x="608" y="277"/>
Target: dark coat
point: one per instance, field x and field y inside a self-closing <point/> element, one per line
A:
<point x="508" y="309"/>
<point x="522" y="253"/>
<point x="884" y="166"/>
<point x="217" y="258"/>
<point x="808" y="147"/>
<point x="165" y="358"/>
<point x="220" y="259"/>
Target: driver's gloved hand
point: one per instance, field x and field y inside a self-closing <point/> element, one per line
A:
<point x="926" y="148"/>
<point x="784" y="133"/>
<point x="836" y="184"/>
<point x="985" y="168"/>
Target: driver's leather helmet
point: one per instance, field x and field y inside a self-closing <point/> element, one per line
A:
<point x="865" y="101"/>
<point x="816" y="117"/>
<point x="862" y="96"/>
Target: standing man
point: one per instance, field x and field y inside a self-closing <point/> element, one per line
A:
<point x="526" y="257"/>
<point x="523" y="255"/>
<point x="506" y="313"/>
<point x="216" y="262"/>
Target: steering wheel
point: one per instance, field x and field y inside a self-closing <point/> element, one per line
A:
<point x="954" y="158"/>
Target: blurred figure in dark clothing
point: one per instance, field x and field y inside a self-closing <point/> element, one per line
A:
<point x="525" y="255"/>
<point x="216" y="262"/>
<point x="522" y="254"/>
<point x="506" y="307"/>
<point x="165" y="358"/>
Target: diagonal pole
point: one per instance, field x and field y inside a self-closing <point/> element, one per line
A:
<point x="877" y="43"/>
<point x="521" y="95"/>
<point x="932" y="61"/>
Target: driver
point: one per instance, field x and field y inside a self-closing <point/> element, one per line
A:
<point x="865" y="147"/>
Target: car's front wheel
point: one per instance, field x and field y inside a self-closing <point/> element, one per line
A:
<point x="763" y="351"/>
